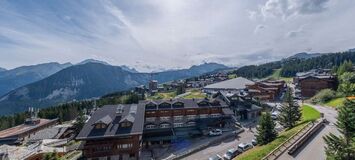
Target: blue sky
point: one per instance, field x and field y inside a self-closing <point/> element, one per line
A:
<point x="154" y="34"/>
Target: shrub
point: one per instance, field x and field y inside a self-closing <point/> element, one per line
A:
<point x="324" y="96"/>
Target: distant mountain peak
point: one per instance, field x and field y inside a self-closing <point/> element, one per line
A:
<point x="92" y="61"/>
<point x="2" y="69"/>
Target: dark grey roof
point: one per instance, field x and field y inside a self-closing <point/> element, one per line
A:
<point x="188" y="103"/>
<point x="113" y="129"/>
<point x="236" y="83"/>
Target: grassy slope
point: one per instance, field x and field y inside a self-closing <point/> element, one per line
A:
<point x="231" y="76"/>
<point x="195" y="93"/>
<point x="167" y="95"/>
<point x="258" y="152"/>
<point x="335" y="102"/>
<point x="276" y="75"/>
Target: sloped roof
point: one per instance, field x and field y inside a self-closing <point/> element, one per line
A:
<point x="107" y="112"/>
<point x="188" y="103"/>
<point x="236" y="83"/>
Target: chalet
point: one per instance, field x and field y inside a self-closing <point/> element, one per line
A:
<point x="310" y="85"/>
<point x="266" y="90"/>
<point x="168" y="120"/>
<point x="113" y="132"/>
<point x="241" y="103"/>
<point x="21" y="133"/>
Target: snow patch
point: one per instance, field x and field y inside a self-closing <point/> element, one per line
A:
<point x="77" y="82"/>
<point x="64" y="93"/>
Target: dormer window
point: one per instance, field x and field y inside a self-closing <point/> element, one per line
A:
<point x="203" y="103"/>
<point x="100" y="126"/>
<point x="127" y="121"/>
<point x="178" y="105"/>
<point x="126" y="124"/>
<point x="164" y="105"/>
<point x="103" y="122"/>
<point x="151" y="105"/>
<point x="215" y="102"/>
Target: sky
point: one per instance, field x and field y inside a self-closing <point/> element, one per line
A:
<point x="163" y="34"/>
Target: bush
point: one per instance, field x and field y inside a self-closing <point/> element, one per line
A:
<point x="324" y="96"/>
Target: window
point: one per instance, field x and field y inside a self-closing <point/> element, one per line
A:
<point x="178" y="118"/>
<point x="203" y="103"/>
<point x="164" y="105"/>
<point x="164" y="118"/>
<point x="191" y="117"/>
<point x="191" y="124"/>
<point x="150" y="126"/>
<point x="126" y="124"/>
<point x="100" y="126"/>
<point x="165" y="125"/>
<point x="203" y="115"/>
<point x="164" y="111"/>
<point x="178" y="105"/>
<point x="178" y="124"/>
<point x="150" y="112"/>
<point x="216" y="115"/>
<point x="150" y="119"/>
<point x="102" y="148"/>
<point x="125" y="146"/>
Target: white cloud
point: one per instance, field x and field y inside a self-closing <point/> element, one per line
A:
<point x="258" y="28"/>
<point x="287" y="8"/>
<point x="296" y="33"/>
<point x="158" y="34"/>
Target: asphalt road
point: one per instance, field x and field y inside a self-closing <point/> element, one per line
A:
<point x="314" y="148"/>
<point x="221" y="147"/>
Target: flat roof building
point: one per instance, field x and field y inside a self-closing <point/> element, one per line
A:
<point x="235" y="84"/>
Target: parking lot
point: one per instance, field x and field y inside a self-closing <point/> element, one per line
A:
<point x="221" y="147"/>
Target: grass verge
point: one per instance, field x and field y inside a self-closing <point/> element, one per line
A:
<point x="337" y="102"/>
<point x="258" y="152"/>
<point x="195" y="93"/>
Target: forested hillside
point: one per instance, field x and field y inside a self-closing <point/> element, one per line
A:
<point x="289" y="67"/>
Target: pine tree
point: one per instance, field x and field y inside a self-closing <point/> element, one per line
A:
<point x="289" y="112"/>
<point x="343" y="147"/>
<point x="80" y="122"/>
<point x="266" y="129"/>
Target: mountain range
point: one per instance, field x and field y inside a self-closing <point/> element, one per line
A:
<point x="88" y="80"/>
<point x="14" y="78"/>
<point x="2" y="69"/>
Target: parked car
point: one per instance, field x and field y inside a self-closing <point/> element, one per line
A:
<point x="244" y="147"/>
<point x="215" y="132"/>
<point x="215" y="157"/>
<point x="254" y="142"/>
<point x="231" y="153"/>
